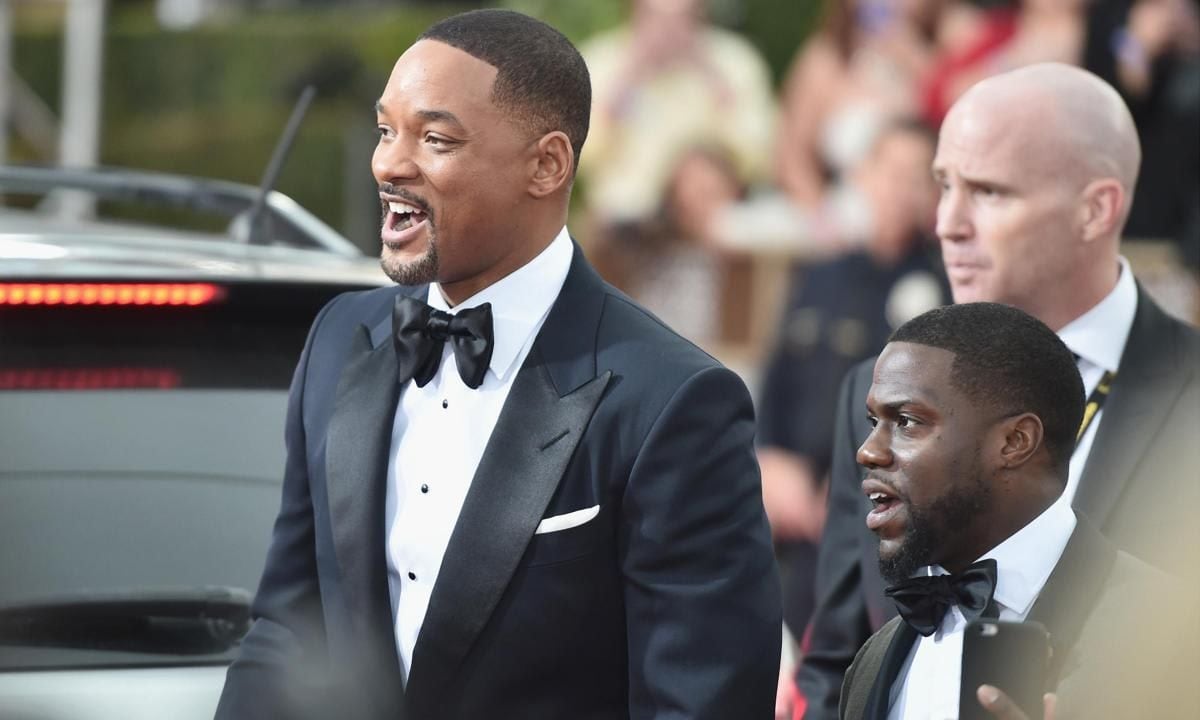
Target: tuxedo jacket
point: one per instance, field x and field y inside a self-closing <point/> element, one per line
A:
<point x="1122" y="636"/>
<point x="1139" y="486"/>
<point x="666" y="604"/>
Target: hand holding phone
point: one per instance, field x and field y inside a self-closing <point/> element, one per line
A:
<point x="1013" y="657"/>
<point x="1003" y="708"/>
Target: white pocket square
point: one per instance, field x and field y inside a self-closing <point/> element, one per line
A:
<point x="567" y="520"/>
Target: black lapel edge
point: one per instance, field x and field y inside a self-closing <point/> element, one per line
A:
<point x="1144" y="394"/>
<point x="1073" y="588"/>
<point x="522" y="466"/>
<point x="567" y="342"/>
<point x="357" y="443"/>
<point x="876" y="707"/>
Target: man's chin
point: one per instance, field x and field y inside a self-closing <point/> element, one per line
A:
<point x="891" y="547"/>
<point x="894" y="565"/>
<point x="407" y="269"/>
<point x="971" y="292"/>
<point x="900" y="557"/>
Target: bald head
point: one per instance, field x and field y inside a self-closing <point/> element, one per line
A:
<point x="1037" y="168"/>
<point x="1073" y="124"/>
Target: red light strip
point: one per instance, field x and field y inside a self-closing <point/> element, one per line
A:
<point x="153" y="294"/>
<point x="119" y="378"/>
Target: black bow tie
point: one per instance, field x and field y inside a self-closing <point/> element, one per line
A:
<point x="419" y="333"/>
<point x="923" y="601"/>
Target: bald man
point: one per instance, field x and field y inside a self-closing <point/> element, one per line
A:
<point x="1037" y="169"/>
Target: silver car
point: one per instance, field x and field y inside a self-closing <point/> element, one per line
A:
<point x="143" y="385"/>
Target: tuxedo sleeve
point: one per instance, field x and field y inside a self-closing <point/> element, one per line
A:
<point x="840" y="622"/>
<point x="279" y="661"/>
<point x="702" y="595"/>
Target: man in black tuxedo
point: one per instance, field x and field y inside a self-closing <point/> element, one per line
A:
<point x="974" y="411"/>
<point x="527" y="498"/>
<point x="1037" y="168"/>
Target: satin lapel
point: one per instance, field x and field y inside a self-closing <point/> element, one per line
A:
<point x="525" y="459"/>
<point x="889" y="670"/>
<point x="1074" y="586"/>
<point x="1143" y="394"/>
<point x="357" y="444"/>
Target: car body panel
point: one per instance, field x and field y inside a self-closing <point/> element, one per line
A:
<point x="126" y="694"/>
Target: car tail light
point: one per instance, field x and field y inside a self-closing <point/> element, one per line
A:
<point x="116" y="378"/>
<point x="153" y="294"/>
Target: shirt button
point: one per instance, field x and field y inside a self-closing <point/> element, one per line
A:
<point x="412" y="576"/>
<point x="445" y="404"/>
<point x="424" y="488"/>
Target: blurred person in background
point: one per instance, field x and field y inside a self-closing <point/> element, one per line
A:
<point x="682" y="123"/>
<point x="1037" y="169"/>
<point x="859" y="70"/>
<point x="1149" y="50"/>
<point x="980" y="38"/>
<point x="841" y="311"/>
<point x="861" y="67"/>
<point x="509" y="491"/>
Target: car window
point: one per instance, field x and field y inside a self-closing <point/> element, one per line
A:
<point x="141" y="455"/>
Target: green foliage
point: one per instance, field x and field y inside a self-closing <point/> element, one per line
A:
<point x="212" y="101"/>
<point x="778" y="27"/>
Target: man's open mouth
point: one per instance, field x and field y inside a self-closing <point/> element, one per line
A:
<point x="402" y="216"/>
<point x="884" y="501"/>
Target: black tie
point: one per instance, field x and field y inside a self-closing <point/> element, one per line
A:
<point x="923" y="601"/>
<point x="419" y="333"/>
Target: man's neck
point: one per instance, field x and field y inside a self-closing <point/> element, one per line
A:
<point x="1009" y="520"/>
<point x="1074" y="301"/>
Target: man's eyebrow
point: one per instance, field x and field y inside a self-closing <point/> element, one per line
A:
<point x="428" y="115"/>
<point x="440" y="116"/>
<point x="896" y="404"/>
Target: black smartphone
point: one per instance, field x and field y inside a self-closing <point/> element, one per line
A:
<point x="1012" y="656"/>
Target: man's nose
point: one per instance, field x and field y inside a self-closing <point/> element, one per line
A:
<point x="393" y="162"/>
<point x="874" y="452"/>
<point x="953" y="222"/>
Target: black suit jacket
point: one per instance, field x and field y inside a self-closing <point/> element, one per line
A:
<point x="1139" y="486"/>
<point x="1122" y="635"/>
<point x="666" y="604"/>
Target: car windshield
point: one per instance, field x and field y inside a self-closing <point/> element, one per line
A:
<point x="48" y="198"/>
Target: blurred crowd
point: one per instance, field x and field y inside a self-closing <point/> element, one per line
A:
<point x="694" y="160"/>
<point x="696" y="170"/>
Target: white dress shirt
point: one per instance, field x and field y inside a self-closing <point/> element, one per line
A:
<point x="1098" y="338"/>
<point x="440" y="432"/>
<point x="927" y="687"/>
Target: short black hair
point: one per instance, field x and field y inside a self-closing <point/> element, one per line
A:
<point x="1010" y="360"/>
<point x="541" y="77"/>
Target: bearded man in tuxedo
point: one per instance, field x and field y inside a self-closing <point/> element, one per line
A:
<point x="974" y="411"/>
<point x="510" y="492"/>
<point x="1037" y="169"/>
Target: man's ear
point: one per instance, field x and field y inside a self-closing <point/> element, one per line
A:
<point x="1103" y="203"/>
<point x="1023" y="436"/>
<point x="554" y="164"/>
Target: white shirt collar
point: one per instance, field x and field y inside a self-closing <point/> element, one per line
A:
<point x="1025" y="560"/>
<point x="519" y="300"/>
<point x="1099" y="334"/>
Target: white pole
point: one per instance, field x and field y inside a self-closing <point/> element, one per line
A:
<point x="79" y="143"/>
<point x="6" y="35"/>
